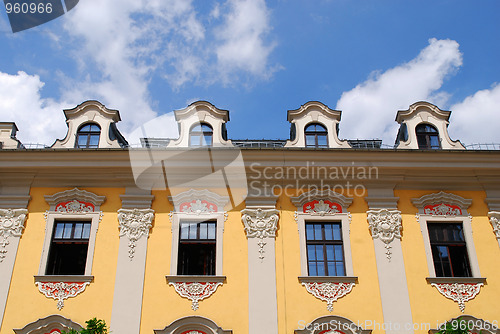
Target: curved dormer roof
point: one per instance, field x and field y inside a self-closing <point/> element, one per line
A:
<point x="201" y="112"/>
<point x="315" y="112"/>
<point x="424" y="113"/>
<point x="92" y="112"/>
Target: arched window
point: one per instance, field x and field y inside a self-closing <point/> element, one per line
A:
<point x="316" y="135"/>
<point x="201" y="135"/>
<point x="427" y="137"/>
<point x="88" y="136"/>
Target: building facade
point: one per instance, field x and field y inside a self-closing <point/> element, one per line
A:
<point x="200" y="233"/>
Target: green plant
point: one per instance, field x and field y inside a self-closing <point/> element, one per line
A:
<point x="94" y="326"/>
<point x="457" y="326"/>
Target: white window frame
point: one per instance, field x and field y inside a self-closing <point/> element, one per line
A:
<point x="52" y="218"/>
<point x="71" y="214"/>
<point x="452" y="216"/>
<point x="178" y="218"/>
<point x="345" y="222"/>
<point x="424" y="220"/>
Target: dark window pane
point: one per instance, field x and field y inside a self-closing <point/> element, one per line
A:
<point x="324" y="249"/>
<point x="322" y="142"/>
<point x="340" y="269"/>
<point x="328" y="232"/>
<point x="78" y="231"/>
<point x="337" y="233"/>
<point x="317" y="232"/>
<point x="86" y="231"/>
<point x="319" y="252"/>
<point x="309" y="232"/>
<point x="330" y="255"/>
<point x="197" y="248"/>
<point x="59" y="231"/>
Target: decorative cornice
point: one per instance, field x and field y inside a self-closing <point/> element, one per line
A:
<point x="260" y="223"/>
<point x="61" y="290"/>
<point x="315" y="202"/>
<point x="198" y="201"/>
<point x="52" y="324"/>
<point x="11" y="225"/>
<point x="385" y="225"/>
<point x="315" y="105"/>
<point x="70" y="196"/>
<point x="134" y="223"/>
<point x="329" y="291"/>
<point x="459" y="292"/>
<point x="194" y="324"/>
<point x="195" y="288"/>
<point x="495" y="222"/>
<point x="14" y="201"/>
<point x="134" y="201"/>
<point x="442" y="204"/>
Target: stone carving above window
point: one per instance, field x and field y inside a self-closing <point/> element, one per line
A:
<point x="260" y="223"/>
<point x="52" y="324"/>
<point x="442" y="204"/>
<point x="321" y="202"/>
<point x="192" y="325"/>
<point x="134" y="223"/>
<point x="385" y="225"/>
<point x="75" y="201"/>
<point x="198" y="202"/>
<point x="11" y="225"/>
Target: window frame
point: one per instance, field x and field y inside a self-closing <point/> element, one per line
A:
<point x="345" y="220"/>
<point x="201" y="134"/>
<point x="466" y="222"/>
<point x="316" y="134"/>
<point x="198" y="241"/>
<point x="427" y="136"/>
<point x="51" y="218"/>
<point x="177" y="218"/>
<point x="324" y="242"/>
<point x="88" y="135"/>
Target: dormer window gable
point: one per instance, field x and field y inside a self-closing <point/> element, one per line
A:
<point x="8" y="140"/>
<point x="314" y="125"/>
<point x="91" y="125"/>
<point x="424" y="126"/>
<point x="201" y="124"/>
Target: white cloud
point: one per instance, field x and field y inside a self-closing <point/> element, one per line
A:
<point x="476" y="118"/>
<point x="370" y="108"/>
<point x="242" y="34"/>
<point x="39" y="120"/>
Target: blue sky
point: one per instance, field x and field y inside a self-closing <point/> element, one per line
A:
<point x="258" y="59"/>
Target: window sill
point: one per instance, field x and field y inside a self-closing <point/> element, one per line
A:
<point x="194" y="278"/>
<point x="451" y="280"/>
<point x="333" y="279"/>
<point x="63" y="278"/>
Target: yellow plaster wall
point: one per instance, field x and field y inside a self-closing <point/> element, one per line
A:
<point x="26" y="304"/>
<point x="362" y="305"/>
<point x="428" y="306"/>
<point x="227" y="307"/>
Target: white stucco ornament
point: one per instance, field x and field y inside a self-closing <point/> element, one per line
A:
<point x="195" y="291"/>
<point x="61" y="290"/>
<point x="459" y="292"/>
<point x="260" y="223"/>
<point x="385" y="225"/>
<point x="329" y="291"/>
<point x="11" y="225"/>
<point x="134" y="223"/>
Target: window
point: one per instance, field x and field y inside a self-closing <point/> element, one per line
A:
<point x="201" y="135"/>
<point x="88" y="136"/>
<point x="197" y="248"/>
<point x="325" y="255"/>
<point x="316" y="135"/>
<point x="449" y="250"/>
<point x="68" y="249"/>
<point x="427" y="137"/>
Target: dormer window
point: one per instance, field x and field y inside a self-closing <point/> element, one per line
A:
<point x="427" y="137"/>
<point x="316" y="135"/>
<point x="88" y="136"/>
<point x="201" y="135"/>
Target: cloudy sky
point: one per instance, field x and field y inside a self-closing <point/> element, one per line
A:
<point x="258" y="59"/>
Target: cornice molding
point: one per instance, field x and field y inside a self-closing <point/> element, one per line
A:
<point x="321" y="195"/>
<point x="74" y="194"/>
<point x="442" y="204"/>
<point x="14" y="201"/>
